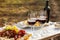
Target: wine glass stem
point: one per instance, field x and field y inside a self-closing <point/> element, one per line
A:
<point x="32" y="28"/>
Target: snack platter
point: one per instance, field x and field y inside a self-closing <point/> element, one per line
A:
<point x="13" y="33"/>
<point x="28" y="33"/>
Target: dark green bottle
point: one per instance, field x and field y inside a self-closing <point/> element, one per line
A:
<point x="47" y="9"/>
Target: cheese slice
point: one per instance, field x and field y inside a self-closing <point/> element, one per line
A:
<point x="26" y="22"/>
<point x="37" y="24"/>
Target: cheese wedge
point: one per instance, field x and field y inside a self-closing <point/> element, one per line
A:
<point x="37" y="24"/>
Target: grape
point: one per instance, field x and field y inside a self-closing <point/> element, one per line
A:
<point x="21" y="32"/>
<point x="19" y="36"/>
<point x="12" y="34"/>
<point x="0" y="34"/>
<point x="16" y="36"/>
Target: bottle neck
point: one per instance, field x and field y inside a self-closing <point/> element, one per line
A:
<point x="47" y="5"/>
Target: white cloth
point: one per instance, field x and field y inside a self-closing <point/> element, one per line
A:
<point x="40" y="33"/>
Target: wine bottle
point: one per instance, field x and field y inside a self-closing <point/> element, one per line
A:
<point x="47" y="9"/>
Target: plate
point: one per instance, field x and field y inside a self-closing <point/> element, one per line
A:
<point x="23" y="25"/>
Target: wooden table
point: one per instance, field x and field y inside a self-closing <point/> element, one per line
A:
<point x="53" y="37"/>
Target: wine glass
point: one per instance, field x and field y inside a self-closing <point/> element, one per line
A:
<point x="43" y="16"/>
<point x="32" y="20"/>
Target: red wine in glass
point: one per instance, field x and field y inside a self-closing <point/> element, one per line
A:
<point x="41" y="20"/>
<point x="32" y="21"/>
